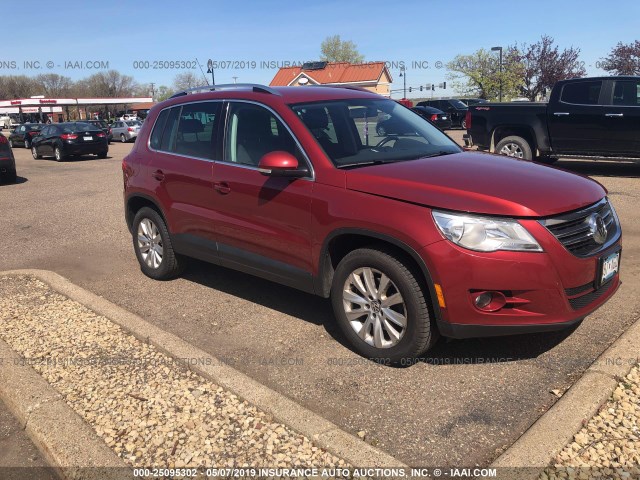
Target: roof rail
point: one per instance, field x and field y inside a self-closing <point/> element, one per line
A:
<point x="228" y="86"/>
<point x="348" y="87"/>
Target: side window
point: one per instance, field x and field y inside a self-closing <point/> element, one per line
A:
<point x="158" y="128"/>
<point x="626" y="93"/>
<point x="252" y="132"/>
<point x="197" y="130"/>
<point x="170" y="128"/>
<point x="22" y="129"/>
<point x="581" y="93"/>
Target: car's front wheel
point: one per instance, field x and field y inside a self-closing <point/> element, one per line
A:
<point x="59" y="156"/>
<point x="10" y="143"/>
<point x="27" y="143"/>
<point x="381" y="307"/>
<point x="35" y="154"/>
<point x="123" y="139"/>
<point x="153" y="247"/>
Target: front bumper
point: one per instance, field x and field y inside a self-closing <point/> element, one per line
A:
<point x="545" y="291"/>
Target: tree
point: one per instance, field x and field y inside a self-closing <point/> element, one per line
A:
<point x="185" y="81"/>
<point x="107" y="84"/>
<point x="624" y="59"/>
<point x="333" y="49"/>
<point x="54" y="85"/>
<point x="479" y="74"/>
<point x="544" y="65"/>
<point x="163" y="93"/>
<point x="17" y="86"/>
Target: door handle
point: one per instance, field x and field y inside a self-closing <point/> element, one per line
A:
<point x="614" y="115"/>
<point x="222" y="187"/>
<point x="561" y="114"/>
<point x="158" y="175"/>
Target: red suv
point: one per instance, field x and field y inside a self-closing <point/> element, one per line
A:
<point x="410" y="236"/>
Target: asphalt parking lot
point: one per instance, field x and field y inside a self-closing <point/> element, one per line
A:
<point x="462" y="406"/>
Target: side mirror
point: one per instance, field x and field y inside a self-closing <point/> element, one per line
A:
<point x="280" y="164"/>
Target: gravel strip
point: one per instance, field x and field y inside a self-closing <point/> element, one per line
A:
<point x="609" y="444"/>
<point x="146" y="406"/>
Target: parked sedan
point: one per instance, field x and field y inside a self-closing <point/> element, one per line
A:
<point x="125" y="130"/>
<point x="69" y="139"/>
<point x="104" y="126"/>
<point x="7" y="162"/>
<point x="454" y="107"/>
<point x="439" y="118"/>
<point x="22" y="135"/>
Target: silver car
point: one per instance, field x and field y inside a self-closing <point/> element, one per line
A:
<point x="125" y="130"/>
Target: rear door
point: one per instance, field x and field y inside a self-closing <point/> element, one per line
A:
<point x="185" y="145"/>
<point x="575" y="119"/>
<point x="621" y="117"/>
<point x="263" y="222"/>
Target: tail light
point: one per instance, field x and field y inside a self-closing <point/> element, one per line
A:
<point x="34" y="133"/>
<point x="68" y="136"/>
<point x="434" y="117"/>
<point x="101" y="135"/>
<point x="130" y="129"/>
<point x="467" y="119"/>
<point x="3" y="139"/>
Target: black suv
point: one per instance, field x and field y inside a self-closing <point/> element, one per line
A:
<point x="452" y="106"/>
<point x="7" y="162"/>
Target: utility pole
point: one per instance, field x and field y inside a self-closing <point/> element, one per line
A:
<point x="210" y="70"/>
<point x="403" y="74"/>
<point x="499" y="49"/>
<point x="153" y="92"/>
<point x="235" y="79"/>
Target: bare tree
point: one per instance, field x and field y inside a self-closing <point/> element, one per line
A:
<point x="17" y="86"/>
<point x="624" y="59"/>
<point x="54" y="85"/>
<point x="185" y="81"/>
<point x="107" y="84"/>
<point x="544" y="65"/>
<point x="333" y="49"/>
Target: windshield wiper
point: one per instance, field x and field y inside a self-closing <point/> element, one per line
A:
<point x="438" y="154"/>
<point x="364" y="164"/>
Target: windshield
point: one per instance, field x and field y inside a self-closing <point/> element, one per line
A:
<point x="457" y="104"/>
<point x="360" y="132"/>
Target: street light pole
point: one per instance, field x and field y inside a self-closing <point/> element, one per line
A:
<point x="499" y="49"/>
<point x="403" y="74"/>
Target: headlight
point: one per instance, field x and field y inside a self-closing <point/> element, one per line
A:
<point x="485" y="234"/>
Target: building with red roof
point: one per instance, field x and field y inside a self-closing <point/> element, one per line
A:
<point x="372" y="76"/>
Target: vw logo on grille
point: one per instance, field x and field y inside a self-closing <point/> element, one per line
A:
<point x="598" y="228"/>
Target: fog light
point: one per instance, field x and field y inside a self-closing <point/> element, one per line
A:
<point x="483" y="300"/>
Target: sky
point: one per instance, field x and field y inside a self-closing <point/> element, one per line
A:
<point x="250" y="38"/>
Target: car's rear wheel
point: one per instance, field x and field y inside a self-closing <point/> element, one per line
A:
<point x="514" y="146"/>
<point x="381" y="307"/>
<point x="463" y="124"/>
<point x="123" y="139"/>
<point x="102" y="154"/>
<point x="27" y="143"/>
<point x="153" y="247"/>
<point x="34" y="153"/>
<point x="59" y="156"/>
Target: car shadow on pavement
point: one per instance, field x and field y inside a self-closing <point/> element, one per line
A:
<point x="18" y="181"/>
<point x="600" y="168"/>
<point x="317" y="310"/>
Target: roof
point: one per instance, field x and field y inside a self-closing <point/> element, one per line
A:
<point x="333" y="73"/>
<point x="143" y="106"/>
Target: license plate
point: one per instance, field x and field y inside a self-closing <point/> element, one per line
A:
<point x="609" y="268"/>
<point x="87" y="138"/>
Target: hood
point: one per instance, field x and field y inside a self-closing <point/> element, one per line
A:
<point x="479" y="183"/>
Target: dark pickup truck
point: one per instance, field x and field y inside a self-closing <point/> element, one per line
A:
<point x="586" y="117"/>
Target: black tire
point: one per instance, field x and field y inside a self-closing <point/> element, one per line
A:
<point x="27" y="144"/>
<point x="102" y="154"/>
<point x="381" y="131"/>
<point x="59" y="155"/>
<point x="123" y="139"/>
<point x="35" y="154"/>
<point x="171" y="264"/>
<point x="420" y="333"/>
<point x="518" y="145"/>
<point x="463" y="124"/>
<point x="10" y="143"/>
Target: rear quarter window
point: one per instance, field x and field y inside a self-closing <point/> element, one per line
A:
<point x="158" y="128"/>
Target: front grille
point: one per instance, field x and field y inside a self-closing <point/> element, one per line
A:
<point x="575" y="231"/>
<point x="584" y="300"/>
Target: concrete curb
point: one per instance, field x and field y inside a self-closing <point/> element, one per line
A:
<point x="540" y="444"/>
<point x="322" y="432"/>
<point x="67" y="443"/>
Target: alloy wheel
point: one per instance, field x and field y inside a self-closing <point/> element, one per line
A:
<point x="374" y="307"/>
<point x="150" y="243"/>
<point x="512" y="150"/>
